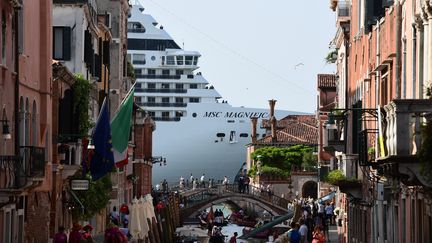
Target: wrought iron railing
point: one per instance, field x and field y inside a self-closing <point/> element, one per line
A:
<point x="33" y="162"/>
<point x="9" y="168"/>
<point x="162" y="104"/>
<point x="366" y="153"/>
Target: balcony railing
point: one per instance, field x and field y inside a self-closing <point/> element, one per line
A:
<point x="181" y="91"/>
<point x="33" y="163"/>
<point x="154" y="76"/>
<point x="365" y="153"/>
<point x="166" y="118"/>
<point x="155" y="104"/>
<point x="404" y="120"/>
<point x="9" y="168"/>
<point x="136" y="30"/>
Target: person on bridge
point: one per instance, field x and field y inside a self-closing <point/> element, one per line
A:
<point x="191" y="178"/>
<point x="194" y="184"/>
<point x="202" y="180"/>
<point x="246" y="184"/>
<point x="181" y="184"/>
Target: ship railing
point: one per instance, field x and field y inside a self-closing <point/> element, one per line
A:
<point x="154" y="76"/>
<point x="161" y="104"/>
<point x="136" y="30"/>
<point x="166" y="118"/>
<point x="182" y="91"/>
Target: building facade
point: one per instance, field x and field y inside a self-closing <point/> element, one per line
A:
<point x="383" y="97"/>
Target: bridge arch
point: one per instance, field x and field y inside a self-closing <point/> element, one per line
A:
<point x="236" y="200"/>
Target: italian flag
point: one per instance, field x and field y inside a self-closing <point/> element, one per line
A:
<point x="120" y="130"/>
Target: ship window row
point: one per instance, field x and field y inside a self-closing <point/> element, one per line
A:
<point x="170" y="99"/>
<point x="135" y="27"/>
<point x="166" y="115"/>
<point x="166" y="86"/>
<point x="150" y="71"/>
<point x="180" y="60"/>
<point x="232" y="133"/>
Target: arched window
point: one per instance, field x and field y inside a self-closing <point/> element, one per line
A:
<point x="21" y="122"/>
<point x="34" y="124"/>
<point x="27" y="123"/>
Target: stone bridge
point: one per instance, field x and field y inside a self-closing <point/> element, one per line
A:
<point x="197" y="200"/>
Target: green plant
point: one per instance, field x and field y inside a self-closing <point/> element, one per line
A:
<point x="310" y="160"/>
<point x="81" y="104"/>
<point x="371" y="150"/>
<point x="95" y="199"/>
<point x="331" y="57"/>
<point x="334" y="176"/>
<point x="130" y="71"/>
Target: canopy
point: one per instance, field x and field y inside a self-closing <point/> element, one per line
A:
<point x="327" y="197"/>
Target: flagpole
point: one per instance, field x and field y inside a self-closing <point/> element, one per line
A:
<point x="125" y="98"/>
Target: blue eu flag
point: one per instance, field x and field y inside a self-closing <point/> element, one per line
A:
<point x="102" y="160"/>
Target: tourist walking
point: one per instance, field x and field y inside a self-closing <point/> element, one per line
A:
<point x="75" y="235"/>
<point x="246" y="184"/>
<point x="303" y="231"/>
<point x="194" y="184"/>
<point x="60" y="236"/>
<point x="115" y="216"/>
<point x="329" y="213"/>
<point x="87" y="233"/>
<point x="294" y="234"/>
<point x="318" y="236"/>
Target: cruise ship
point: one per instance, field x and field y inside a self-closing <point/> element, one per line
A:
<point x="196" y="130"/>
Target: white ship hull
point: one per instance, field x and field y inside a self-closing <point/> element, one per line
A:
<point x="192" y="145"/>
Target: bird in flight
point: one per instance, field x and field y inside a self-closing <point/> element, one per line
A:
<point x="298" y="65"/>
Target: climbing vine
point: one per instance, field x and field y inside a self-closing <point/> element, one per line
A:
<point x="81" y="104"/>
<point x="130" y="71"/>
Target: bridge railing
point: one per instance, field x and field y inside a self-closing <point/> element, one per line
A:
<point x="194" y="197"/>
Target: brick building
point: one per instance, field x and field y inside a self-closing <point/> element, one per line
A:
<point x="382" y="59"/>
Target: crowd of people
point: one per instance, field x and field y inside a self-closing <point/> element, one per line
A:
<point x="314" y="223"/>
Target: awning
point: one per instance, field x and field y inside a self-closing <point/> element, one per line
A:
<point x="327" y="197"/>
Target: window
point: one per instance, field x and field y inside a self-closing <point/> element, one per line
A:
<point x="179" y="60"/>
<point x="179" y="72"/>
<point x="129" y="57"/>
<point x="193" y="86"/>
<point x="194" y="100"/>
<point x="165" y="114"/>
<point x="139" y="59"/>
<point x="165" y="85"/>
<point x="151" y="72"/>
<point x="179" y="86"/>
<point x="188" y="60"/>
<point x="179" y="100"/>
<point x="151" y="85"/>
<point x="163" y="60"/>
<point x="195" y="62"/>
<point x="243" y="135"/>
<point x="165" y="100"/>
<point x="138" y="71"/>
<point x="62" y="43"/>
<point x="151" y="99"/>
<point x="165" y="72"/>
<point x="179" y="114"/>
<point x="170" y="60"/>
<point x="152" y="113"/>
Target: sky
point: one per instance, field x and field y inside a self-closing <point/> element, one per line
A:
<point x="254" y="50"/>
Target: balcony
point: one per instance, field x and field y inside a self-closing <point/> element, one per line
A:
<point x="33" y="163"/>
<point x="402" y="142"/>
<point x="166" y="118"/>
<point x="137" y="30"/>
<point x="367" y="153"/>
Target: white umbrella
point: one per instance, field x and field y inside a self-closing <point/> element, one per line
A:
<point x="134" y="224"/>
<point x="143" y="219"/>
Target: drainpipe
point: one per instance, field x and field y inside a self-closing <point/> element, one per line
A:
<point x="414" y="62"/>
<point x="16" y="91"/>
<point x="375" y="210"/>
<point x="398" y="49"/>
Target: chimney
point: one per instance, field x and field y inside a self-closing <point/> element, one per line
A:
<point x="254" y="121"/>
<point x="272" y="104"/>
<point x="273" y="128"/>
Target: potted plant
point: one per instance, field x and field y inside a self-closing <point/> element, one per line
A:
<point x="371" y="153"/>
